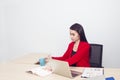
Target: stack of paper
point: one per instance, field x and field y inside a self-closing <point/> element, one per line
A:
<point x="92" y="72"/>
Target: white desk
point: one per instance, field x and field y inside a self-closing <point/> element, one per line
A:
<point x="16" y="70"/>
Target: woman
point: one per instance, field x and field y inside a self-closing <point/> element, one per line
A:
<point x="77" y="53"/>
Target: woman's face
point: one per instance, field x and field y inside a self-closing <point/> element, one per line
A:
<point x="74" y="35"/>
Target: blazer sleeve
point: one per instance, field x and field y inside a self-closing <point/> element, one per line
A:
<point x="66" y="54"/>
<point x="82" y="52"/>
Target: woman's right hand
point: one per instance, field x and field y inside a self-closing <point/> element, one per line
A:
<point x="47" y="58"/>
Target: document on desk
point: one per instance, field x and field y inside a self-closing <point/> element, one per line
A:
<point x="92" y="72"/>
<point x="97" y="78"/>
<point x="40" y="71"/>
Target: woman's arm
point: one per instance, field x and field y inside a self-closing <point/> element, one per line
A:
<point x="66" y="54"/>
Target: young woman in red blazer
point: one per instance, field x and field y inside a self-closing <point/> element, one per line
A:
<point x="77" y="53"/>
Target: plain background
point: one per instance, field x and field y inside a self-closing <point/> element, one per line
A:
<point x="42" y="26"/>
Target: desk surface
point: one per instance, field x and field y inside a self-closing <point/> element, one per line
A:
<point x="16" y="70"/>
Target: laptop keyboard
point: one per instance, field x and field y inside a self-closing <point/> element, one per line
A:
<point x="75" y="73"/>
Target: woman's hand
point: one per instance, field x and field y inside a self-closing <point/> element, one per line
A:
<point x="47" y="58"/>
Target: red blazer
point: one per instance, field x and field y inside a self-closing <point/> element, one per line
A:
<point x="81" y="58"/>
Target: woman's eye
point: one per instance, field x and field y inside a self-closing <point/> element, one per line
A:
<point x="72" y="34"/>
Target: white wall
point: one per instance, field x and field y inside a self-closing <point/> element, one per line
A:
<point x="42" y="26"/>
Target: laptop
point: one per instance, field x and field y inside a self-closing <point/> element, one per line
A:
<point x="62" y="68"/>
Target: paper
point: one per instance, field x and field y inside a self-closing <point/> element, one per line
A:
<point x="40" y="71"/>
<point x="92" y="72"/>
<point x="97" y="78"/>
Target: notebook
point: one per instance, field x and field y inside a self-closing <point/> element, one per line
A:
<point x="62" y="68"/>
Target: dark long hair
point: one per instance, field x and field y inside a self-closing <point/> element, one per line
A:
<point x="79" y="29"/>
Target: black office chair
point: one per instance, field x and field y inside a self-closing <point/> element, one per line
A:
<point x="96" y="55"/>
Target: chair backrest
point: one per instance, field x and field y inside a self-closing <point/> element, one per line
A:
<point x="96" y="55"/>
